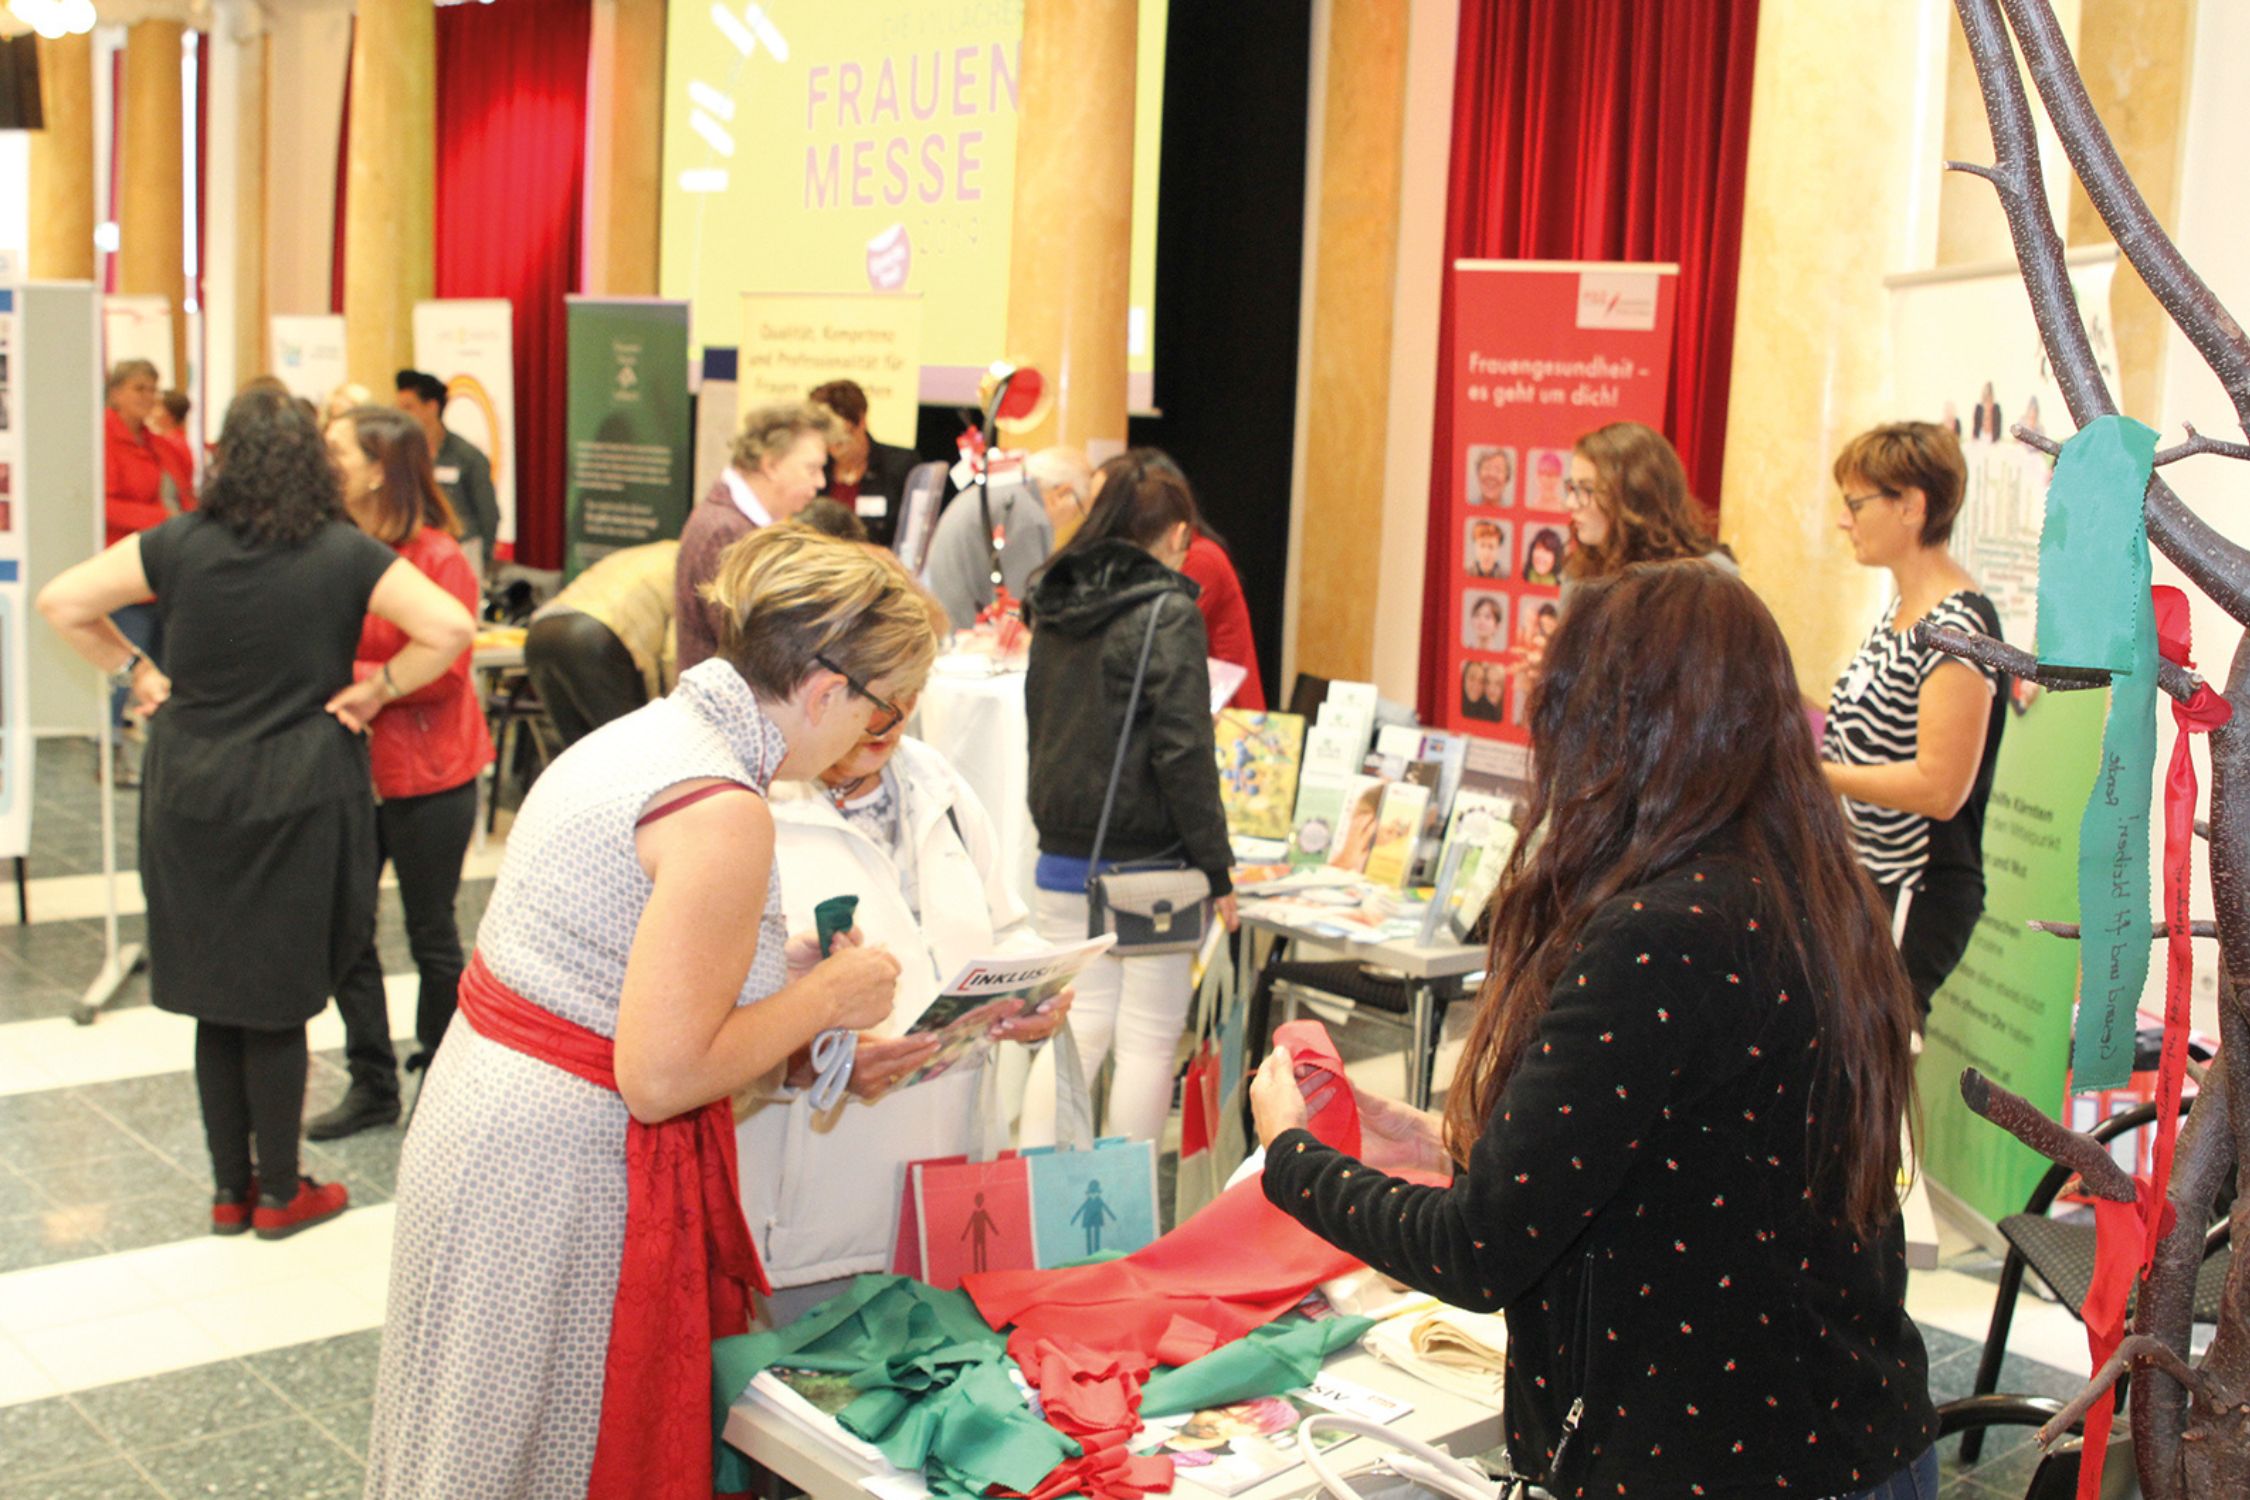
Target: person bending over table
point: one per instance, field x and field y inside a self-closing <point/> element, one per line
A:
<point x="605" y="645"/>
<point x="894" y="824"/>
<point x="1913" y="734"/>
<point x="570" y="1235"/>
<point x="1675" y="1137"/>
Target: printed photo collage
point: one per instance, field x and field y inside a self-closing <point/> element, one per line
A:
<point x="1514" y="538"/>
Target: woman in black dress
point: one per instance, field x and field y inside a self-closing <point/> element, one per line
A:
<point x="1674" y="1142"/>
<point x="257" y="827"/>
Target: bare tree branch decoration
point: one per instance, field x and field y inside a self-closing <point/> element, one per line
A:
<point x="2190" y="1423"/>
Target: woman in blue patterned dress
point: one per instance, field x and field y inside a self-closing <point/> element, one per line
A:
<point x="570" y="1235"/>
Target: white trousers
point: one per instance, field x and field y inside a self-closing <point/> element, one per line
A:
<point x="1136" y="1007"/>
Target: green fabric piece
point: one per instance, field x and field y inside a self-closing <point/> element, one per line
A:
<point x="1282" y="1356"/>
<point x="935" y="1392"/>
<point x="2095" y="611"/>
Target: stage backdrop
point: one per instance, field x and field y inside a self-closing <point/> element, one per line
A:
<point x="1968" y="354"/>
<point x="817" y="147"/>
<point x="469" y="343"/>
<point x="1542" y="351"/>
<point x="629" y="437"/>
<point x="792" y="342"/>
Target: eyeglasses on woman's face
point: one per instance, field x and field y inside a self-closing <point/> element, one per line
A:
<point x="1853" y="503"/>
<point x="887" y="716"/>
<point x="1578" y="494"/>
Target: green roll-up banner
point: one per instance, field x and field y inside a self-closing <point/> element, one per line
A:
<point x="630" y="427"/>
<point x="2095" y="611"/>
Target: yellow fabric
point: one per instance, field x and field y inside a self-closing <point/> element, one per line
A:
<point x="630" y="591"/>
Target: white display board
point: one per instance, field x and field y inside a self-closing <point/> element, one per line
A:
<point x="57" y="374"/>
<point x="139" y="327"/>
<point x="306" y="354"/>
<point x="469" y="343"/>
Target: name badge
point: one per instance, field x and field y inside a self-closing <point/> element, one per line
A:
<point x="448" y="473"/>
<point x="871" y="505"/>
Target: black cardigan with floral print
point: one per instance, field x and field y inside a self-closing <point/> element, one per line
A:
<point x="1640" y="1206"/>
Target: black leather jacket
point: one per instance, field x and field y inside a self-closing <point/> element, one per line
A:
<point x="1089" y="613"/>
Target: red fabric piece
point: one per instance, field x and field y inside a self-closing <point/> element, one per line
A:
<point x="2116" y="1226"/>
<point x="434" y="738"/>
<point x="511" y="133"/>
<point x="1237" y="1265"/>
<point x="1198" y="1101"/>
<point x="1226" y="618"/>
<point x="134" y="468"/>
<point x="1095" y="1398"/>
<point x="1601" y="130"/>
<point x="688" y="1269"/>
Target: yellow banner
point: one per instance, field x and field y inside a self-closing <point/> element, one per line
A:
<point x="792" y="342"/>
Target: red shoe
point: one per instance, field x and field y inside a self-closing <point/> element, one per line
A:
<point x="230" y="1212"/>
<point x="316" y="1202"/>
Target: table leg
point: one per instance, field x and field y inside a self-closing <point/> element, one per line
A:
<point x="1424" y="1061"/>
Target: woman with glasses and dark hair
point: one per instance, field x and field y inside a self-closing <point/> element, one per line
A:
<point x="1090" y="612"/>
<point x="426" y="751"/>
<point x="257" y="826"/>
<point x="896" y="825"/>
<point x="1913" y="734"/>
<point x="568" y="1193"/>
<point x="1671" y="1153"/>
<point x="1628" y="500"/>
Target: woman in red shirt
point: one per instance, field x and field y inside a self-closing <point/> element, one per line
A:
<point x="427" y="750"/>
<point x="145" y="482"/>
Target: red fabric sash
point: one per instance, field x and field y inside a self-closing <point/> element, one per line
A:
<point x="2126" y="1235"/>
<point x="689" y="1264"/>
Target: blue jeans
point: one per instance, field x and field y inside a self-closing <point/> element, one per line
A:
<point x="141" y="625"/>
<point x="1917" y="1481"/>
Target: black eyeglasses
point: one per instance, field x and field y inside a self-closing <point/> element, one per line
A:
<point x="887" y="715"/>
<point x="1852" y="503"/>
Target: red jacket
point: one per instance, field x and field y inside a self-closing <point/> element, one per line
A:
<point x="434" y="738"/>
<point x="135" y="465"/>
<point x="1226" y="619"/>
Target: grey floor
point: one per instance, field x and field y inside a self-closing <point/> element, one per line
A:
<point x="115" y="1166"/>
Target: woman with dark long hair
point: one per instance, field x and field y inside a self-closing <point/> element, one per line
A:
<point x="1090" y="614"/>
<point x="1675" y="1138"/>
<point x="257" y="827"/>
<point x="427" y="753"/>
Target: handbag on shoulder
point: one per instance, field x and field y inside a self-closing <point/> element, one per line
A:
<point x="1152" y="906"/>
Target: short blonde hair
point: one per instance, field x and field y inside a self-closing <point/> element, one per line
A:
<point x="787" y="594"/>
<point x="769" y="431"/>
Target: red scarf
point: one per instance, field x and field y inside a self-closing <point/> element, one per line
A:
<point x="688" y="1268"/>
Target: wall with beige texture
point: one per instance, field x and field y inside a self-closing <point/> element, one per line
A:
<point x="151" y="247"/>
<point x="307" y="57"/>
<point x="624" y="167"/>
<point x="1344" y="393"/>
<point x="61" y="197"/>
<point x="390" y="194"/>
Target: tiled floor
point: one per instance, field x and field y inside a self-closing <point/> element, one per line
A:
<point x="142" y="1358"/>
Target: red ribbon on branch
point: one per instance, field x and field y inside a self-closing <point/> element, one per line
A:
<point x="2126" y="1234"/>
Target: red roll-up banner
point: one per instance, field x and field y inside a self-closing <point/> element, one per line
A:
<point x="1544" y="351"/>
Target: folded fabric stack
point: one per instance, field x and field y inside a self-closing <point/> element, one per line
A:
<point x="1450" y="1347"/>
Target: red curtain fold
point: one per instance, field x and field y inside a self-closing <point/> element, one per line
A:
<point x="1604" y="130"/>
<point x="511" y="127"/>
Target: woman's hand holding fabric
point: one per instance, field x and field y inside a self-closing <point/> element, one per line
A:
<point x="862" y="983"/>
<point x="1398" y="1138"/>
<point x="1277" y="1101"/>
<point x="1038" y="1024"/>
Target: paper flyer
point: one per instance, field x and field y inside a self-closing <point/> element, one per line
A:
<point x="988" y="991"/>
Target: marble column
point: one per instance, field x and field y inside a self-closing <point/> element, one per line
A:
<point x="1071" y="241"/>
<point x="624" y="171"/>
<point x="151" y="250"/>
<point x="1350" y="273"/>
<point x="62" y="164"/>
<point x="390" y="185"/>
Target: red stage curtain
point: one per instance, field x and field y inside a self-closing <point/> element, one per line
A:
<point x="1604" y="130"/>
<point x="511" y="122"/>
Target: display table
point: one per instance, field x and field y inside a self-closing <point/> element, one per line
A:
<point x="977" y="724"/>
<point x="824" y="1472"/>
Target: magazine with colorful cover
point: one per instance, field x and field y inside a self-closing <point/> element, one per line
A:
<point x="1312" y="831"/>
<point x="1398" y="832"/>
<point x="1259" y="755"/>
<point x="988" y="991"/>
<point x="1356" y="824"/>
<point x="1229" y="1449"/>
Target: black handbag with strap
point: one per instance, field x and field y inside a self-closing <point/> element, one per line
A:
<point x="1152" y="906"/>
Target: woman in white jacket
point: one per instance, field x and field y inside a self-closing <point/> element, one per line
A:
<point x="895" y="825"/>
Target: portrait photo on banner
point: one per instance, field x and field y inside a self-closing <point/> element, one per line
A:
<point x="1487" y="548"/>
<point x="1484" y="620"/>
<point x="1492" y="474"/>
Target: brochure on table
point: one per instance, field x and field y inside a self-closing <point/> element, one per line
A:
<point x="988" y="991"/>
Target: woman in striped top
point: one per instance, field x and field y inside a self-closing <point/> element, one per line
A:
<point x="1913" y="733"/>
